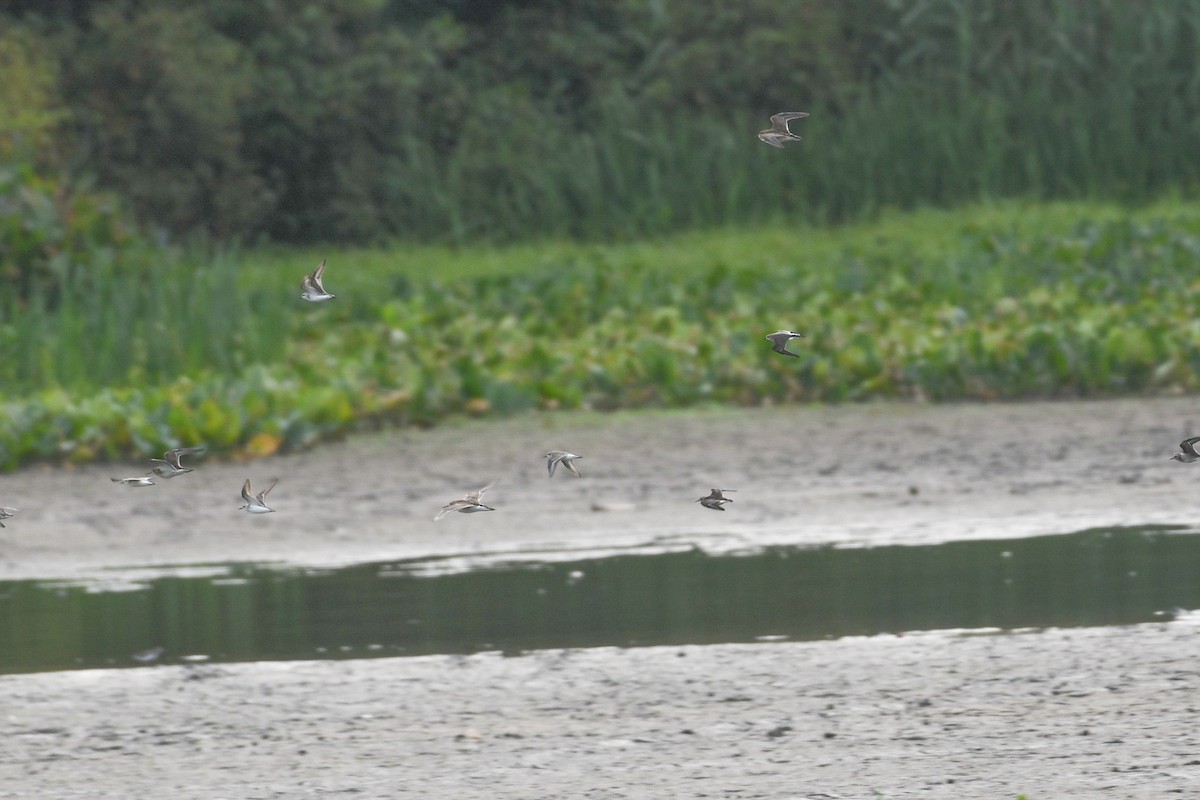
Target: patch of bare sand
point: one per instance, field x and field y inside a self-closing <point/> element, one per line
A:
<point x="862" y="474"/>
<point x="1101" y="712"/>
<point x="1106" y="712"/>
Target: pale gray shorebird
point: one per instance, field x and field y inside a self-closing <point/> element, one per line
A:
<point x="6" y="513"/>
<point x="779" y="133"/>
<point x="470" y="504"/>
<point x="140" y="480"/>
<point x="168" y="466"/>
<point x="256" y="503"/>
<point x="556" y="457"/>
<point x="1187" y="451"/>
<point x="715" y="499"/>
<point x="779" y="341"/>
<point x="314" y="288"/>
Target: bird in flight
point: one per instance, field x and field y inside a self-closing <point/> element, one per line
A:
<point x="168" y="466"/>
<point x="256" y="503"/>
<point x="779" y="341"/>
<point x="556" y="457"/>
<point x="779" y="133"/>
<point x="471" y="504"/>
<point x="314" y="288"/>
<point x="1187" y="451"/>
<point x="716" y="499"/>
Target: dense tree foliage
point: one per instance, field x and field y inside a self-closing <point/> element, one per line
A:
<point x="357" y="120"/>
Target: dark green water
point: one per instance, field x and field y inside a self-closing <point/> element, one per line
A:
<point x="249" y="612"/>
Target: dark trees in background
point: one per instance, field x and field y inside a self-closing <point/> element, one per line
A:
<point x="357" y="120"/>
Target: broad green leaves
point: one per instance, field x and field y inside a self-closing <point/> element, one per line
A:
<point x="984" y="303"/>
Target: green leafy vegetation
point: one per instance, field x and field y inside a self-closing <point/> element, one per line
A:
<point x="988" y="302"/>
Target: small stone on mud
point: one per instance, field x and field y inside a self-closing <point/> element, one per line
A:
<point x="612" y="505"/>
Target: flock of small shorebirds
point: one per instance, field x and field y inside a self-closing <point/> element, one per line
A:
<point x="314" y="291"/>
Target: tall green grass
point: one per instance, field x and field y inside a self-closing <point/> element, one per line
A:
<point x="193" y="313"/>
<point x="608" y="120"/>
<point x="964" y="101"/>
<point x="988" y="302"/>
<point x="113" y="323"/>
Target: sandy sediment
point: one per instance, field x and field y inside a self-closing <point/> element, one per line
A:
<point x="864" y="474"/>
<point x="1106" y="712"/>
<point x="1100" y="712"/>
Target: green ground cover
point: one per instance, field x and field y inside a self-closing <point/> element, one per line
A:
<point x="1011" y="300"/>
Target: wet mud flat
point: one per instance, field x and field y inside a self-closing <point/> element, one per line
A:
<point x="1081" y="712"/>
<point x="1091" y="712"/>
<point x="860" y="475"/>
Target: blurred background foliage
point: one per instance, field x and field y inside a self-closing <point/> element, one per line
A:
<point x="543" y="204"/>
<point x="370" y="120"/>
<point x="984" y="303"/>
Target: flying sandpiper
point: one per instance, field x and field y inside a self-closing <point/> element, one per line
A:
<point x="256" y="503"/>
<point x="1187" y="451"/>
<point x="779" y="133"/>
<point x="314" y="288"/>
<point x="716" y="499"/>
<point x="556" y="457"/>
<point x="168" y="466"/>
<point x="471" y="504"/>
<point x="779" y="341"/>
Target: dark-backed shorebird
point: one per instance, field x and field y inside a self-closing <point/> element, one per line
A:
<point x="779" y="133"/>
<point x="779" y="341"/>
<point x="556" y="457"/>
<point x="256" y="503"/>
<point x="1187" y="451"/>
<point x="716" y="499"/>
<point x="470" y="504"/>
<point x="314" y="288"/>
<point x="168" y="466"/>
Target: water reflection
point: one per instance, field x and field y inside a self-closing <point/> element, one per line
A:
<point x="247" y="612"/>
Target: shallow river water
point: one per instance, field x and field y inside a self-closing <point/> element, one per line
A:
<point x="247" y="612"/>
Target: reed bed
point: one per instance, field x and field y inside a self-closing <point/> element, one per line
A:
<point x="605" y="120"/>
<point x="984" y="303"/>
<point x="960" y="101"/>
